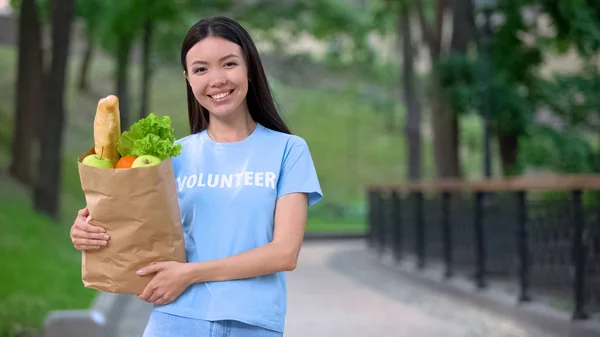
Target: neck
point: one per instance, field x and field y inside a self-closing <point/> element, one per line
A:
<point x="233" y="128"/>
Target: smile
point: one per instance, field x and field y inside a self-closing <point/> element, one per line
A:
<point x="221" y="95"/>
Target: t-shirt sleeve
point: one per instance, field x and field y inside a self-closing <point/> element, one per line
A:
<point x="298" y="174"/>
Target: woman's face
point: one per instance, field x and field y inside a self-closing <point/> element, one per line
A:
<point x="218" y="75"/>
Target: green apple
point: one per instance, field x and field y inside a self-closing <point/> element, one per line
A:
<point x="97" y="160"/>
<point x="145" y="161"/>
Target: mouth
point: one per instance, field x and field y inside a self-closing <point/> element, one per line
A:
<point x="221" y="95"/>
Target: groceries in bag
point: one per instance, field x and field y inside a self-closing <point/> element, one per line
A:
<point x="130" y="190"/>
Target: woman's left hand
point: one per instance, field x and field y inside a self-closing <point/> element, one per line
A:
<point x="168" y="283"/>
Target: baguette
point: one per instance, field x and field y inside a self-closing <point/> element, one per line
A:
<point x="107" y="128"/>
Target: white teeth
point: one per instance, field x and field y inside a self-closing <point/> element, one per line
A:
<point x="221" y="95"/>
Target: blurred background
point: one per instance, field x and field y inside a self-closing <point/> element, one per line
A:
<point x="383" y="91"/>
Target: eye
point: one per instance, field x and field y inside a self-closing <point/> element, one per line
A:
<point x="230" y="64"/>
<point x="199" y="69"/>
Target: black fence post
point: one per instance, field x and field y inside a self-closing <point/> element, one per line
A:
<point x="371" y="230"/>
<point x="396" y="216"/>
<point x="479" y="241"/>
<point x="523" y="244"/>
<point x="419" y="230"/>
<point x="579" y="257"/>
<point x="381" y="219"/>
<point x="447" y="234"/>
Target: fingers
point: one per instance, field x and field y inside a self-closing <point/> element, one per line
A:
<point x="89" y="242"/>
<point x="155" y="297"/>
<point x="166" y="299"/>
<point x="86" y="227"/>
<point x="83" y="213"/>
<point x="86" y="248"/>
<point x="88" y="237"/>
<point x="147" y="293"/>
<point x="153" y="268"/>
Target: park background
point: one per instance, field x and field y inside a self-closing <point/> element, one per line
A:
<point x="383" y="91"/>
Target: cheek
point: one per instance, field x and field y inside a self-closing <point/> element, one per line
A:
<point x="197" y="87"/>
<point x="242" y="83"/>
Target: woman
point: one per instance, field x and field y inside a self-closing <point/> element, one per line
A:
<point x="244" y="187"/>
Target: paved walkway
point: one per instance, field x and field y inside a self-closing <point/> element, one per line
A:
<point x="339" y="289"/>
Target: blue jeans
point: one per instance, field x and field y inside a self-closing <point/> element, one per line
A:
<point x="164" y="325"/>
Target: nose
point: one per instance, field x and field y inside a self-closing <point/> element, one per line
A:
<point x="218" y="79"/>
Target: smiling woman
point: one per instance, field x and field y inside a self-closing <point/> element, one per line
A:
<point x="219" y="83"/>
<point x="219" y="60"/>
<point x="244" y="187"/>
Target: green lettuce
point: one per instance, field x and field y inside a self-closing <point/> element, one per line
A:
<point x="152" y="135"/>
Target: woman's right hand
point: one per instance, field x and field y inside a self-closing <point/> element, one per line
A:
<point x="85" y="236"/>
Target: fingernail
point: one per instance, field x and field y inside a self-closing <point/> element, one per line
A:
<point x="139" y="272"/>
<point x="106" y="236"/>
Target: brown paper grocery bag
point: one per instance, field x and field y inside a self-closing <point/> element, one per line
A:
<point x="139" y="209"/>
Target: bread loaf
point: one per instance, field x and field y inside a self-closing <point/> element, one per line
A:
<point x="107" y="128"/>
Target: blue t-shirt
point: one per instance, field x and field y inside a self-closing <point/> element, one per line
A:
<point x="227" y="194"/>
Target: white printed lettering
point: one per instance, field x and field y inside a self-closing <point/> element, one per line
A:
<point x="201" y="180"/>
<point x="212" y="183"/>
<point x="258" y="178"/>
<point x="226" y="180"/>
<point x="270" y="179"/>
<point x="248" y="178"/>
<point x="181" y="183"/>
<point x="238" y="179"/>
<point x="191" y="181"/>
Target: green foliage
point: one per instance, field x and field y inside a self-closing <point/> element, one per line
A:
<point x="517" y="90"/>
<point x="123" y="20"/>
<point x="90" y="11"/>
<point x="458" y="74"/>
<point x="558" y="151"/>
<point x="344" y="26"/>
<point x="574" y="97"/>
<point x="577" y="23"/>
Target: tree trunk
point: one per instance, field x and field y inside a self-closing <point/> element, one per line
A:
<point x="413" y="107"/>
<point x="509" y="152"/>
<point x="123" y="51"/>
<point x="146" y="67"/>
<point x="463" y="23"/>
<point x="27" y="110"/>
<point x="445" y="133"/>
<point x="445" y="125"/>
<point x="462" y="33"/>
<point x="46" y="196"/>
<point x="85" y="66"/>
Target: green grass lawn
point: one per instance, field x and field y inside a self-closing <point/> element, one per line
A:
<point x="41" y="271"/>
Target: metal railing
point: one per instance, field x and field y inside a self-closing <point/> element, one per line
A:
<point x="508" y="231"/>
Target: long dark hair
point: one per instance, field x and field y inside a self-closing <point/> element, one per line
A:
<point x="259" y="99"/>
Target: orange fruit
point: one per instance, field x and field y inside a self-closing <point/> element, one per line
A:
<point x="125" y="162"/>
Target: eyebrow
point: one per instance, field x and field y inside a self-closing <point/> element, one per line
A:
<point x="220" y="60"/>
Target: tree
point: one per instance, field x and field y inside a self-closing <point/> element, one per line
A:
<point x="29" y="85"/>
<point x="399" y="12"/>
<point x="411" y="96"/>
<point x="445" y="124"/>
<point x="46" y="194"/>
<point x="89" y="11"/>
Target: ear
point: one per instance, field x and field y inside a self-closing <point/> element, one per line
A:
<point x="185" y="75"/>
